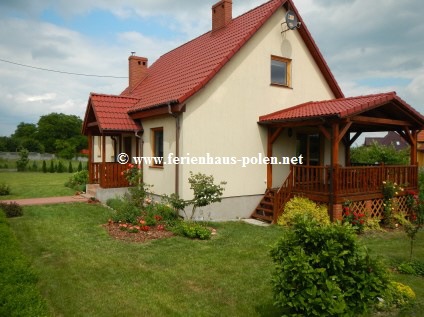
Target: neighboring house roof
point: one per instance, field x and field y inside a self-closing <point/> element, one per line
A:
<point x="182" y="72"/>
<point x="391" y="138"/>
<point x="111" y="112"/>
<point x="342" y="107"/>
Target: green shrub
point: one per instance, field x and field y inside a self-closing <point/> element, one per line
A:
<point x="23" y="160"/>
<point x="78" y="181"/>
<point x="44" y="167"/>
<point x="60" y="167"/>
<point x="4" y="189"/>
<point x="11" y="209"/>
<point x="70" y="168"/>
<point x="299" y="207"/>
<point x="19" y="293"/>
<point x="397" y="295"/>
<point x="114" y="203"/>
<point x="126" y="213"/>
<point x="372" y="224"/>
<point x="51" y="169"/>
<point x="34" y="167"/>
<point x="323" y="271"/>
<point x="79" y="167"/>
<point x="412" y="267"/>
<point x="192" y="230"/>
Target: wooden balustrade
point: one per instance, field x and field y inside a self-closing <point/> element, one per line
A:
<point x="108" y="175"/>
<point x="351" y="180"/>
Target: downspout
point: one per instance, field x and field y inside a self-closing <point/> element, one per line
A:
<point x="141" y="142"/>
<point x="114" y="146"/>
<point x="177" y="146"/>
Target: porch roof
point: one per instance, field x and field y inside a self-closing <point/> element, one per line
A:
<point x="109" y="113"/>
<point x="346" y="108"/>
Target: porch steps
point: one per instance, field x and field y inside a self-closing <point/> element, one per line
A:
<point x="91" y="190"/>
<point x="265" y="208"/>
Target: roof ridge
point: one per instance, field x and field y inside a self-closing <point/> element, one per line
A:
<point x="110" y="95"/>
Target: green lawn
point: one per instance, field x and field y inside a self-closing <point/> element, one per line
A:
<point x="35" y="185"/>
<point x="84" y="272"/>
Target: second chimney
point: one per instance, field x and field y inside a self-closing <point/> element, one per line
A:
<point x="222" y="14"/>
<point x="137" y="70"/>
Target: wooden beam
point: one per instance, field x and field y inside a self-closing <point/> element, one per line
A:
<point x="414" y="135"/>
<point x="346" y="142"/>
<point x="92" y="124"/>
<point x="335" y="145"/>
<point x="90" y="157"/>
<point x="403" y="135"/>
<point x="344" y="130"/>
<point x="408" y="134"/>
<point x="276" y="134"/>
<point x="325" y="132"/>
<point x="287" y="124"/>
<point x="163" y="110"/>
<point x="355" y="137"/>
<point x="374" y="120"/>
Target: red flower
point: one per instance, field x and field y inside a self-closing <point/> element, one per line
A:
<point x="361" y="222"/>
<point x="130" y="165"/>
<point x="347" y="213"/>
<point x="160" y="227"/>
<point x="145" y="228"/>
<point x="346" y="208"/>
<point x="139" y="167"/>
<point x="361" y="215"/>
<point x="122" y="173"/>
<point x="158" y="218"/>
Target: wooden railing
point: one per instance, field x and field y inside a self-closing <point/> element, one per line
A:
<point x="108" y="175"/>
<point x="283" y="195"/>
<point x="351" y="180"/>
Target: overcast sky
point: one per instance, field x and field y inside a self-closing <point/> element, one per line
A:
<point x="371" y="46"/>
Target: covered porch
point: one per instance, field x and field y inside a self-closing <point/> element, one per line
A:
<point x="339" y="123"/>
<point x="110" y="132"/>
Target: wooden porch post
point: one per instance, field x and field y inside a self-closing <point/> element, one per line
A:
<point x="102" y="175"/>
<point x="347" y="149"/>
<point x="90" y="157"/>
<point x="414" y="147"/>
<point x="334" y="170"/>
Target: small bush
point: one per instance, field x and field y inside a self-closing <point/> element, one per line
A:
<point x="397" y="295"/>
<point x="79" y="167"/>
<point x="372" y="224"/>
<point x="70" y="168"/>
<point x="299" y="207"/>
<point x="4" y="189"/>
<point x="11" y="209"/>
<point x="60" y="167"/>
<point x="413" y="268"/>
<point x="192" y="230"/>
<point x="34" y="166"/>
<point x="44" y="167"/>
<point x="51" y="169"/>
<point x="114" y="203"/>
<point x="78" y="181"/>
<point x="323" y="271"/>
<point x="126" y="213"/>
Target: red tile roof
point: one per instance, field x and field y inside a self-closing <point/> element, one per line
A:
<point x="111" y="112"/>
<point x="341" y="107"/>
<point x="179" y="74"/>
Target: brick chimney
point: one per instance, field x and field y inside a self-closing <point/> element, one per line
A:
<point x="137" y="70"/>
<point x="222" y="14"/>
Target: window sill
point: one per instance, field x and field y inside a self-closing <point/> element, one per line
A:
<point x="281" y="85"/>
<point x="156" y="166"/>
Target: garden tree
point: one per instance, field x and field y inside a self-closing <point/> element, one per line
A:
<point x="377" y="153"/>
<point x="8" y="144"/>
<point x="23" y="160"/>
<point x="70" y="169"/>
<point x="205" y="192"/>
<point x="25" y="130"/>
<point x="44" y="167"/>
<point x="80" y="167"/>
<point x="59" y="126"/>
<point x="60" y="167"/>
<point x="65" y="149"/>
<point x="34" y="166"/>
<point x="31" y="145"/>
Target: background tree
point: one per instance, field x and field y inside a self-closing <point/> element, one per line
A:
<point x="23" y="161"/>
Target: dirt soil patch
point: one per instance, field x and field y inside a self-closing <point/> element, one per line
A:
<point x="140" y="237"/>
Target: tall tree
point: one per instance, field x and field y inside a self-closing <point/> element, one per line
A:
<point x="25" y="130"/>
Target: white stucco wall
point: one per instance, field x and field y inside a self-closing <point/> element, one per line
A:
<point x="222" y="118"/>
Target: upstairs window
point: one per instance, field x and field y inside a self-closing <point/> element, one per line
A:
<point x="280" y="71"/>
<point x="157" y="146"/>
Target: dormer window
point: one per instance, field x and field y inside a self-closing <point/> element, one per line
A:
<point x="280" y="71"/>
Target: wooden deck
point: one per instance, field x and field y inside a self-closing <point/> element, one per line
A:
<point x="350" y="184"/>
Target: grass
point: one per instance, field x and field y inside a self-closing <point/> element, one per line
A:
<point x="84" y="272"/>
<point x="35" y="185"/>
<point x="11" y="164"/>
<point x="19" y="292"/>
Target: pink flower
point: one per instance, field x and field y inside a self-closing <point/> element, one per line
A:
<point x="160" y="227"/>
<point x="130" y="165"/>
<point x="122" y="173"/>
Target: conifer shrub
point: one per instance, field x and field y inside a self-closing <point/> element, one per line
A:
<point x="70" y="168"/>
<point x="44" y="167"/>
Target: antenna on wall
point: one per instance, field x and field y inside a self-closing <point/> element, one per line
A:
<point x="291" y="21"/>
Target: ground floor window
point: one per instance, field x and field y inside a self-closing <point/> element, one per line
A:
<point x="309" y="146"/>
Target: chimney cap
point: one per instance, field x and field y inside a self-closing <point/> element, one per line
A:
<point x="221" y="2"/>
